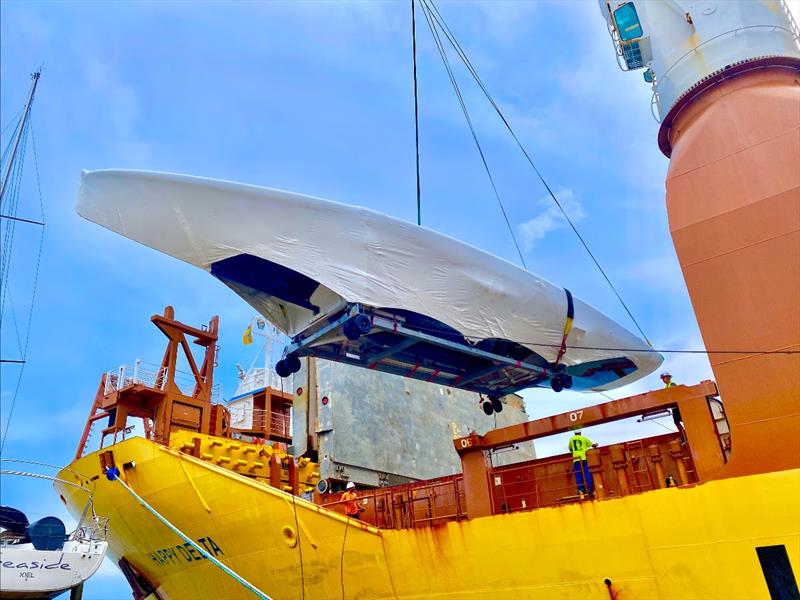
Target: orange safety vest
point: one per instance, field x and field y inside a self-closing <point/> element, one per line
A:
<point x="350" y="503"/>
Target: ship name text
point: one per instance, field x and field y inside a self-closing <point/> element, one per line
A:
<point x="184" y="552"/>
<point x="35" y="564"/>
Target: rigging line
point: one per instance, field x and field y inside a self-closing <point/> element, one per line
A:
<point x="416" y="106"/>
<point x="13" y="120"/>
<point x="21" y="220"/>
<point x="294" y="505"/>
<point x="341" y="558"/>
<point x="33" y="292"/>
<point x="475" y="339"/>
<point x="14" y="191"/>
<point x="443" y="55"/>
<point x="24" y="349"/>
<point x="203" y="552"/>
<point x="670" y="429"/>
<point x="8" y="242"/>
<point x="454" y="42"/>
<point x="36" y="166"/>
<point x="299" y="547"/>
<point x="16" y="325"/>
<point x="13" y="403"/>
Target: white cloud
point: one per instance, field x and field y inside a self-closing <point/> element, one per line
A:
<point x="550" y="219"/>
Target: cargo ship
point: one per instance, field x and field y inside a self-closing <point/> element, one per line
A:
<point x="199" y="509"/>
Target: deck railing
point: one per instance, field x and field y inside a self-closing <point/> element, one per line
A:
<point x="411" y="505"/>
<point x="154" y="376"/>
<point x="276" y="423"/>
<point x="551" y="481"/>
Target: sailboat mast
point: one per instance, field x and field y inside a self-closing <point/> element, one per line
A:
<point x="18" y="134"/>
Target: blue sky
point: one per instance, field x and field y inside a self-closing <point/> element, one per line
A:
<point x="317" y="98"/>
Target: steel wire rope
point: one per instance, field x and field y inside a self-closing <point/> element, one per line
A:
<point x="475" y="339"/>
<point x="13" y="120"/>
<point x="24" y="349"/>
<point x="294" y="506"/>
<point x="454" y="82"/>
<point x="10" y="143"/>
<point x="459" y="50"/>
<point x="12" y="192"/>
<point x="14" y="321"/>
<point x="8" y="241"/>
<point x="653" y="420"/>
<point x="416" y="106"/>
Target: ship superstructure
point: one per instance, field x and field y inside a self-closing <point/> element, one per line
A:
<point x="369" y="427"/>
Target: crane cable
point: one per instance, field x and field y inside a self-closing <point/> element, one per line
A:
<point x="416" y="106"/>
<point x="430" y="8"/>
<point x="443" y="55"/>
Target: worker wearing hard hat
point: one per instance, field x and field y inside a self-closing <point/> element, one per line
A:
<point x="676" y="412"/>
<point x="578" y="445"/>
<point x="351" y="507"/>
<point x="667" y="379"/>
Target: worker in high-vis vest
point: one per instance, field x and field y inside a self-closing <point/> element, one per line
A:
<point x="667" y="379"/>
<point x="676" y="412"/>
<point x="351" y="507"/>
<point x="578" y="445"/>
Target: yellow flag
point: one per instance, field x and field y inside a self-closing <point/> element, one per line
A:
<point x="247" y="338"/>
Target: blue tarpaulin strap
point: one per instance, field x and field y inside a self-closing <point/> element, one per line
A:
<point x="113" y="475"/>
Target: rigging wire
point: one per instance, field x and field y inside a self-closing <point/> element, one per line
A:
<point x="294" y="503"/>
<point x="299" y="548"/>
<point x="652" y="420"/>
<point x="203" y="552"/>
<point x="13" y="193"/>
<point x="4" y="283"/>
<point x="416" y="106"/>
<point x="436" y="15"/>
<point x="341" y="558"/>
<point x="473" y="339"/>
<point x="13" y="120"/>
<point x="445" y="60"/>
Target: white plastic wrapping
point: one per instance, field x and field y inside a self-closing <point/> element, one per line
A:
<point x="357" y="255"/>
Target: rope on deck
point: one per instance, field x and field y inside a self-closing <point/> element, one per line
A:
<point x="113" y="474"/>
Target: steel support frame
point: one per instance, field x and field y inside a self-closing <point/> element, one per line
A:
<point x="312" y="344"/>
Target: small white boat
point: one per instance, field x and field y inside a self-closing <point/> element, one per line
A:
<point x="40" y="559"/>
<point x="300" y="260"/>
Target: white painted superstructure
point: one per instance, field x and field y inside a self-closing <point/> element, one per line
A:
<point x="684" y="42"/>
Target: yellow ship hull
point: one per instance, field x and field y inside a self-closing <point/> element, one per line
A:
<point x="691" y="542"/>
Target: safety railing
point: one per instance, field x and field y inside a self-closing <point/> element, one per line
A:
<point x="644" y="465"/>
<point x="153" y="376"/>
<point x="790" y="32"/>
<point x="276" y="423"/>
<point x="96" y="531"/>
<point x="407" y="506"/>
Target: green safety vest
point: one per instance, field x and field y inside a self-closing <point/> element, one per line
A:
<point x="578" y="445"/>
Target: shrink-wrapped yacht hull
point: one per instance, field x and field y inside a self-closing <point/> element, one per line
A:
<point x="297" y="259"/>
